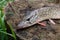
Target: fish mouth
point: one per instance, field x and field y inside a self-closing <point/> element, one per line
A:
<point x="24" y="24"/>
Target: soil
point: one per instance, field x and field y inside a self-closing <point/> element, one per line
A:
<point x="15" y="12"/>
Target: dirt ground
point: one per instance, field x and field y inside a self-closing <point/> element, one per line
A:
<point x="15" y="12"/>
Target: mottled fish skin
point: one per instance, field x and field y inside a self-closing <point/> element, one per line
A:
<point x="40" y="14"/>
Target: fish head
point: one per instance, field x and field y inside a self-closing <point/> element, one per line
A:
<point x="29" y="20"/>
<point x="24" y="24"/>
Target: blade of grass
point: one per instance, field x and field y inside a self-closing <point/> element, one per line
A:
<point x="6" y="33"/>
<point x="13" y="33"/>
<point x="2" y="25"/>
<point x="3" y="33"/>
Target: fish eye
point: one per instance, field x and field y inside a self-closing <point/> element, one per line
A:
<point x="28" y="19"/>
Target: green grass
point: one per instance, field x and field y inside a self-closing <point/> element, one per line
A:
<point x="3" y="29"/>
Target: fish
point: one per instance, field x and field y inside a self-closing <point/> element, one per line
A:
<point x="39" y="15"/>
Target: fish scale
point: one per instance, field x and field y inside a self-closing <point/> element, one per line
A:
<point x="46" y="13"/>
<point x="40" y="14"/>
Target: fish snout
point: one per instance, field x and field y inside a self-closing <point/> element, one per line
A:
<point x="24" y="24"/>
